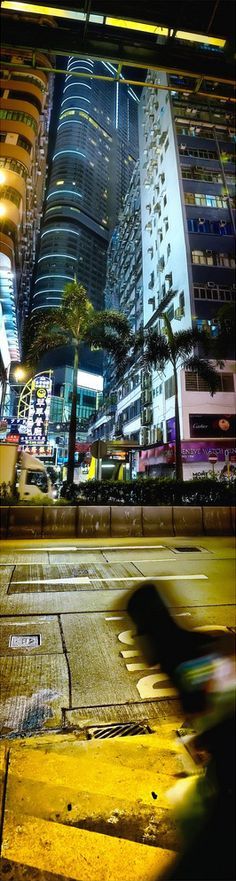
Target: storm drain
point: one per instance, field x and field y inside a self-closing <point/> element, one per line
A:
<point x="126" y="729"/>
<point x="188" y="550"/>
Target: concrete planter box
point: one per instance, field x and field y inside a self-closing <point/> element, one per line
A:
<point x="187" y="520"/>
<point x="25" y="522"/>
<point x="4" y="521"/>
<point x="157" y="520"/>
<point x="217" y="521"/>
<point x="94" y="521"/>
<point x="59" y="522"/>
<point x="126" y="521"/>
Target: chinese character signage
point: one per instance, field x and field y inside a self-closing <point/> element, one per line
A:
<point x="39" y="408"/>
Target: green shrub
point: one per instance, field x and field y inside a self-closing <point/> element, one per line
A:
<point x="36" y="500"/>
<point x="152" y="491"/>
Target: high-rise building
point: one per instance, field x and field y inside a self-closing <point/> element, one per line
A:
<point x="95" y="152"/>
<point x="188" y="226"/>
<point x="25" y="112"/>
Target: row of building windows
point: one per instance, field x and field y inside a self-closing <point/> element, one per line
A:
<point x="206" y="199"/>
<point x="20" y="141"/>
<point x="202" y="112"/>
<point x="196" y="173"/>
<point x="28" y="78"/>
<point x="16" y="95"/>
<point x="214" y="292"/>
<point x="201" y="131"/>
<point x="20" y="117"/>
<point x="11" y="194"/>
<point x="185" y="150"/>
<point x="213" y="258"/>
<point x="14" y="165"/>
<point x="215" y="227"/>
<point x="195" y="383"/>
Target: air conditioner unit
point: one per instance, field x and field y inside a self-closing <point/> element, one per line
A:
<point x="144" y="436"/>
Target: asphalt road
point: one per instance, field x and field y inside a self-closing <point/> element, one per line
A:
<point x="68" y="652"/>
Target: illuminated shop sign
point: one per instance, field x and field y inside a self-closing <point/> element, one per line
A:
<point x="212" y="425"/>
<point x="39" y="408"/>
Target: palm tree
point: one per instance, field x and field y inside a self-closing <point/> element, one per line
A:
<point x="177" y="349"/>
<point x="73" y="323"/>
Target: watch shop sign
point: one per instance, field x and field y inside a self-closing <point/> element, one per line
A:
<point x="212" y="425"/>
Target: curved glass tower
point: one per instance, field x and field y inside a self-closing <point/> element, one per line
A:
<point x="95" y="152"/>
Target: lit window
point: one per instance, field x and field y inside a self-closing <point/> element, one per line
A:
<point x="59" y="182"/>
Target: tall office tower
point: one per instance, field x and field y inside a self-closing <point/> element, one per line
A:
<point x="26" y="95"/>
<point x="188" y="224"/>
<point x="96" y="148"/>
<point x="123" y="288"/>
<point x="123" y="291"/>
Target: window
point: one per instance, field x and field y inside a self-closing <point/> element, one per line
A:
<point x="11" y="194"/>
<point x="37" y="478"/>
<point x="14" y="165"/>
<point x="169" y="387"/>
<point x="15" y="95"/>
<point x="205" y="199"/>
<point x="195" y="383"/>
<point x="20" y="116"/>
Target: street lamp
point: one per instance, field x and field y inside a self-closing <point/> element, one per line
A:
<point x="19" y="374"/>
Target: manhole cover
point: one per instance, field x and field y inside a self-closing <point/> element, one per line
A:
<point x="188" y="550"/>
<point x="24" y="642"/>
<point x="125" y="729"/>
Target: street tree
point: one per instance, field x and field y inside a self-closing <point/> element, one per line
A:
<point x="74" y="322"/>
<point x="181" y="350"/>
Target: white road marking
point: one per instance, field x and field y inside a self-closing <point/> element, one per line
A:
<point x="115" y="618"/>
<point x="56" y="548"/>
<point x="85" y="580"/>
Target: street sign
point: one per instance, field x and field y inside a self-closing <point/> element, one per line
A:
<point x="99" y="449"/>
<point x="213" y="458"/>
<point x="25" y="642"/>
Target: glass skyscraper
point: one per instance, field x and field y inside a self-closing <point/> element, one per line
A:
<point x="95" y="153"/>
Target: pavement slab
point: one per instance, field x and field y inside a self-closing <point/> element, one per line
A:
<point x="39" y="578"/>
<point x="33" y="692"/>
<point x="46" y="628"/>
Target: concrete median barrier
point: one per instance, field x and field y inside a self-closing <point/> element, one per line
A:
<point x="126" y="521"/>
<point x="157" y="520"/>
<point x="59" y="522"/>
<point x="4" y="521"/>
<point x="25" y="522"/>
<point x="187" y="520"/>
<point x="233" y="519"/>
<point x="217" y="521"/>
<point x="93" y="521"/>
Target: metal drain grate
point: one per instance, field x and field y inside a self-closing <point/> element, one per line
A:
<point x="124" y="729"/>
<point x="188" y="550"/>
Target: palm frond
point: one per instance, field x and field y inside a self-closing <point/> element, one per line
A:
<point x="207" y="372"/>
<point x="157" y="350"/>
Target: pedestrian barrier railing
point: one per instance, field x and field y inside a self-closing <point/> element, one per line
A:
<point x="121" y="521"/>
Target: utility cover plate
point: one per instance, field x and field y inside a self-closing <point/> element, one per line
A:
<point x="25" y="642"/>
<point x="188" y="550"/>
<point x="123" y="729"/>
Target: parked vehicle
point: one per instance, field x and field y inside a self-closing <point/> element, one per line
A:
<point x="23" y="473"/>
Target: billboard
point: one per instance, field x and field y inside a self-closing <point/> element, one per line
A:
<point x="212" y="425"/>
